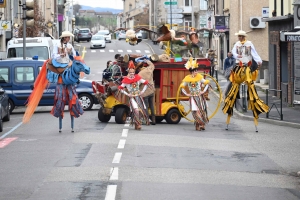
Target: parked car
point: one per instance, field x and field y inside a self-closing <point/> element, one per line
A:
<point x="4" y="107"/>
<point x="122" y="35"/>
<point x="17" y="78"/>
<point x="83" y="34"/>
<point x="97" y="41"/>
<point x="139" y="35"/>
<point x="106" y="35"/>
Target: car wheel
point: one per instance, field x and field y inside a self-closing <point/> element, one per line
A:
<point x="88" y="40"/>
<point x="86" y="101"/>
<point x="7" y="117"/>
<point x="102" y="117"/>
<point x="121" y="116"/>
<point x="173" y="116"/>
<point x="11" y="105"/>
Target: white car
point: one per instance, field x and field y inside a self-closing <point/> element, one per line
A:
<point x="139" y="35"/>
<point x="122" y="35"/>
<point x="105" y="34"/>
<point x="97" y="41"/>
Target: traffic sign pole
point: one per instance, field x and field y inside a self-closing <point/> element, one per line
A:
<point x="171" y="28"/>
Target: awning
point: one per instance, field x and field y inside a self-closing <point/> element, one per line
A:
<point x="292" y="35"/>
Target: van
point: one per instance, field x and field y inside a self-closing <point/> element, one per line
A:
<point x="17" y="78"/>
<point x="35" y="46"/>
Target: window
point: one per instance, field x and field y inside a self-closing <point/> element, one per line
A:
<point x="24" y="74"/>
<point x="187" y="2"/>
<point x="41" y="52"/>
<point x="4" y="75"/>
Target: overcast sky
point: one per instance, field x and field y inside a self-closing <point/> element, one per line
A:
<point x="118" y="4"/>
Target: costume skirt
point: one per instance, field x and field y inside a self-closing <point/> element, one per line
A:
<point x="199" y="109"/>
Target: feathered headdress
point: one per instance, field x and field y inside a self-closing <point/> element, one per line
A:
<point x="191" y="64"/>
<point x="131" y="65"/>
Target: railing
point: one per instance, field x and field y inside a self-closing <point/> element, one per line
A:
<point x="274" y="104"/>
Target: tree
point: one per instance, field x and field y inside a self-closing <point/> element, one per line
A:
<point x="76" y="9"/>
<point x="39" y="26"/>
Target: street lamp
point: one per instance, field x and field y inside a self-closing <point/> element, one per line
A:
<point x="73" y="26"/>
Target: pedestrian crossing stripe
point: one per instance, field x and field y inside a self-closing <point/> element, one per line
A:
<point x="120" y="50"/>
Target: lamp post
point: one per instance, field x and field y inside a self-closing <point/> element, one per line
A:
<point x="73" y="26"/>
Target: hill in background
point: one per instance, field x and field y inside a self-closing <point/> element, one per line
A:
<point x="98" y="9"/>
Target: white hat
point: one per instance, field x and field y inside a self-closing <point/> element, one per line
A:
<point x="243" y="33"/>
<point x="66" y="34"/>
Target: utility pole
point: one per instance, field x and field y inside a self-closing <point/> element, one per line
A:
<point x="193" y="17"/>
<point x="24" y="29"/>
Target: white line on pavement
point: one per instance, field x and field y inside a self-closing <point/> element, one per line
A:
<point x="9" y="132"/>
<point x="102" y="51"/>
<point x="138" y="51"/>
<point x="120" y="50"/>
<point x="93" y="51"/>
<point x="114" y="173"/>
<point x="127" y="125"/>
<point x="129" y="51"/>
<point x="124" y="132"/>
<point x="121" y="144"/>
<point x="147" y="51"/>
<point x="111" y="192"/>
<point x="111" y="50"/>
<point x="117" y="157"/>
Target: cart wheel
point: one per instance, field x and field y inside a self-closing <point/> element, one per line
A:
<point x="214" y="100"/>
<point x="173" y="116"/>
<point x="121" y="116"/>
<point x="102" y="117"/>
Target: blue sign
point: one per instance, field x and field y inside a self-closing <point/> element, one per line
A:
<point x="1" y="1"/>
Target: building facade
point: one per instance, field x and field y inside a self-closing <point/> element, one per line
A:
<point x="282" y="65"/>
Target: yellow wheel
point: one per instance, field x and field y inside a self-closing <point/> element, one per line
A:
<point x="214" y="100"/>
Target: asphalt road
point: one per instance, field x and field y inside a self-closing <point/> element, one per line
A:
<point x="111" y="161"/>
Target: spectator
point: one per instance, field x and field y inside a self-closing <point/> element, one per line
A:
<point x="106" y="76"/>
<point x="228" y="64"/>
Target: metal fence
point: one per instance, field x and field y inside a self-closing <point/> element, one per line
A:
<point x="274" y="104"/>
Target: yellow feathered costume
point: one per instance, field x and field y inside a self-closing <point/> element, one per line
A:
<point x="240" y="74"/>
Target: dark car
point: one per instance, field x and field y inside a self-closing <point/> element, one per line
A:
<point x="4" y="107"/>
<point x="18" y="76"/>
<point x="83" y="34"/>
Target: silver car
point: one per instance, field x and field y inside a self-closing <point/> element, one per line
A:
<point x="97" y="41"/>
<point x="122" y="35"/>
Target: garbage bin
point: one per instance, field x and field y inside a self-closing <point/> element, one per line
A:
<point x="145" y="35"/>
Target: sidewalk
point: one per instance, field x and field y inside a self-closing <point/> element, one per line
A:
<point x="290" y="115"/>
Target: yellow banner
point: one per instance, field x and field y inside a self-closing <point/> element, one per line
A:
<point x="2" y="3"/>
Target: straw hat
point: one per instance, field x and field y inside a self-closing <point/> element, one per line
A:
<point x="243" y="33"/>
<point x="66" y="34"/>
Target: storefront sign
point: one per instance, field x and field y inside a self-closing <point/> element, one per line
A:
<point x="297" y="73"/>
<point x="292" y="38"/>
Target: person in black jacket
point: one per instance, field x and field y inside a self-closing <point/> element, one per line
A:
<point x="106" y="76"/>
<point x="228" y="64"/>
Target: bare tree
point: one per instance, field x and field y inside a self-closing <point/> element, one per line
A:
<point x="39" y="26"/>
<point x="76" y="9"/>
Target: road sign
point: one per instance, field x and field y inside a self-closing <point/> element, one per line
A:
<point x="178" y="16"/>
<point x="172" y="2"/>
<point x="175" y="10"/>
<point x="175" y="21"/>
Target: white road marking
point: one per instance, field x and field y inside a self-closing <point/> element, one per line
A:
<point x="121" y="144"/>
<point x="93" y="51"/>
<point x="127" y="125"/>
<point x="111" y="50"/>
<point x="117" y="157"/>
<point x="120" y="50"/>
<point x="129" y="51"/>
<point x="138" y="51"/>
<point x="147" y="51"/>
<point x="114" y="173"/>
<point x="111" y="192"/>
<point x="7" y="133"/>
<point x="124" y="132"/>
<point x="102" y="51"/>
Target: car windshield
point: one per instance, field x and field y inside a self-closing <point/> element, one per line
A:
<point x="97" y="37"/>
<point x="41" y="52"/>
<point x="84" y="31"/>
<point x="103" y="32"/>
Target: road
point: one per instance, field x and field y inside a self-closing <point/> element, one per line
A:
<point x="113" y="161"/>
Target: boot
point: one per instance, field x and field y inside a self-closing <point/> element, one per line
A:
<point x="137" y="126"/>
<point x="153" y="120"/>
<point x="202" y="127"/>
<point x="197" y="126"/>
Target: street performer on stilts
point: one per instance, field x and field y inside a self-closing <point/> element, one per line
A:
<point x="244" y="51"/>
<point x="137" y="106"/>
<point x="198" y="104"/>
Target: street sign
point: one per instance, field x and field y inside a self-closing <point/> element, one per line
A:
<point x="175" y="10"/>
<point x="178" y="16"/>
<point x="175" y="21"/>
<point x="172" y="2"/>
<point x="172" y="6"/>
